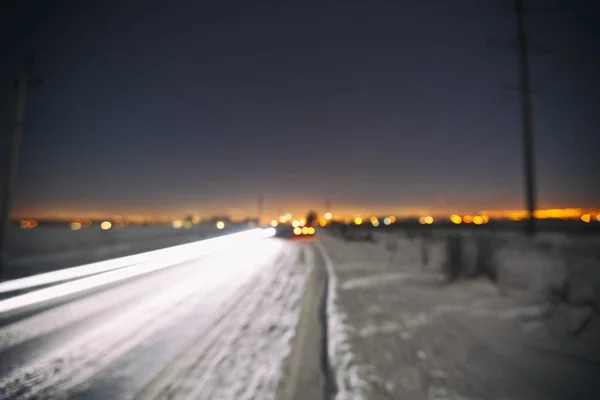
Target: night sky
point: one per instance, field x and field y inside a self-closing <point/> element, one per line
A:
<point x="168" y="107"/>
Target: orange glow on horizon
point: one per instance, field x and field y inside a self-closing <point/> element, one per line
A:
<point x="345" y="214"/>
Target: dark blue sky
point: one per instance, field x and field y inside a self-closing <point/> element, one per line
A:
<point x="385" y="106"/>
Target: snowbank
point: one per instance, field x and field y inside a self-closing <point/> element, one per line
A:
<point x="563" y="265"/>
<point x="542" y="265"/>
<point x="558" y="269"/>
<point x="350" y="382"/>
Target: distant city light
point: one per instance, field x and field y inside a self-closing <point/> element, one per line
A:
<point x="375" y="223"/>
<point x="177" y="224"/>
<point x="105" y="225"/>
<point x="392" y="219"/>
<point x="323" y="223"/>
<point x="467" y="219"/>
<point x="456" y="219"/>
<point x="387" y="220"/>
<point x="220" y="225"/>
<point x="328" y="216"/>
<point x="586" y="218"/>
<point x="288" y="216"/>
<point x="297" y="231"/>
<point x="358" y="220"/>
<point x="429" y="220"/>
<point x="187" y="224"/>
<point x="477" y="220"/>
<point x="598" y="217"/>
<point x="486" y="218"/>
<point x="302" y="221"/>
<point x="75" y="226"/>
<point x="274" y="223"/>
<point x="282" y="219"/>
<point x="422" y="220"/>
<point x="305" y="230"/>
<point x="30" y="224"/>
<point x="311" y="230"/>
<point x="295" y="223"/>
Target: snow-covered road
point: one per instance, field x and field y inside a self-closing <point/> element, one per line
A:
<point x="216" y="327"/>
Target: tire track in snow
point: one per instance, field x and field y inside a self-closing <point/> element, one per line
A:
<point x="193" y="370"/>
<point x="265" y="334"/>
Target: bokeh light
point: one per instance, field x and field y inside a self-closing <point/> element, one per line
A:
<point x="456" y="219"/>
<point x="105" y="225"/>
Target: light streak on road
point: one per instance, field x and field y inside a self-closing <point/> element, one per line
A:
<point x="110" y="271"/>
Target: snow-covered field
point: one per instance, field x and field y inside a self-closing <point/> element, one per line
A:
<point x="398" y="330"/>
<point x="217" y="327"/>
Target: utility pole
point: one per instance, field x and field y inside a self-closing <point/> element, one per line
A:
<point x="22" y="83"/>
<point x="526" y="114"/>
<point x="261" y="206"/>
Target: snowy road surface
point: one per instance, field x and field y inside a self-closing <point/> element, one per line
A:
<point x="215" y="327"/>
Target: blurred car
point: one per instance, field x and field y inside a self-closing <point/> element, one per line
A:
<point x="296" y="230"/>
<point x="306" y="230"/>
